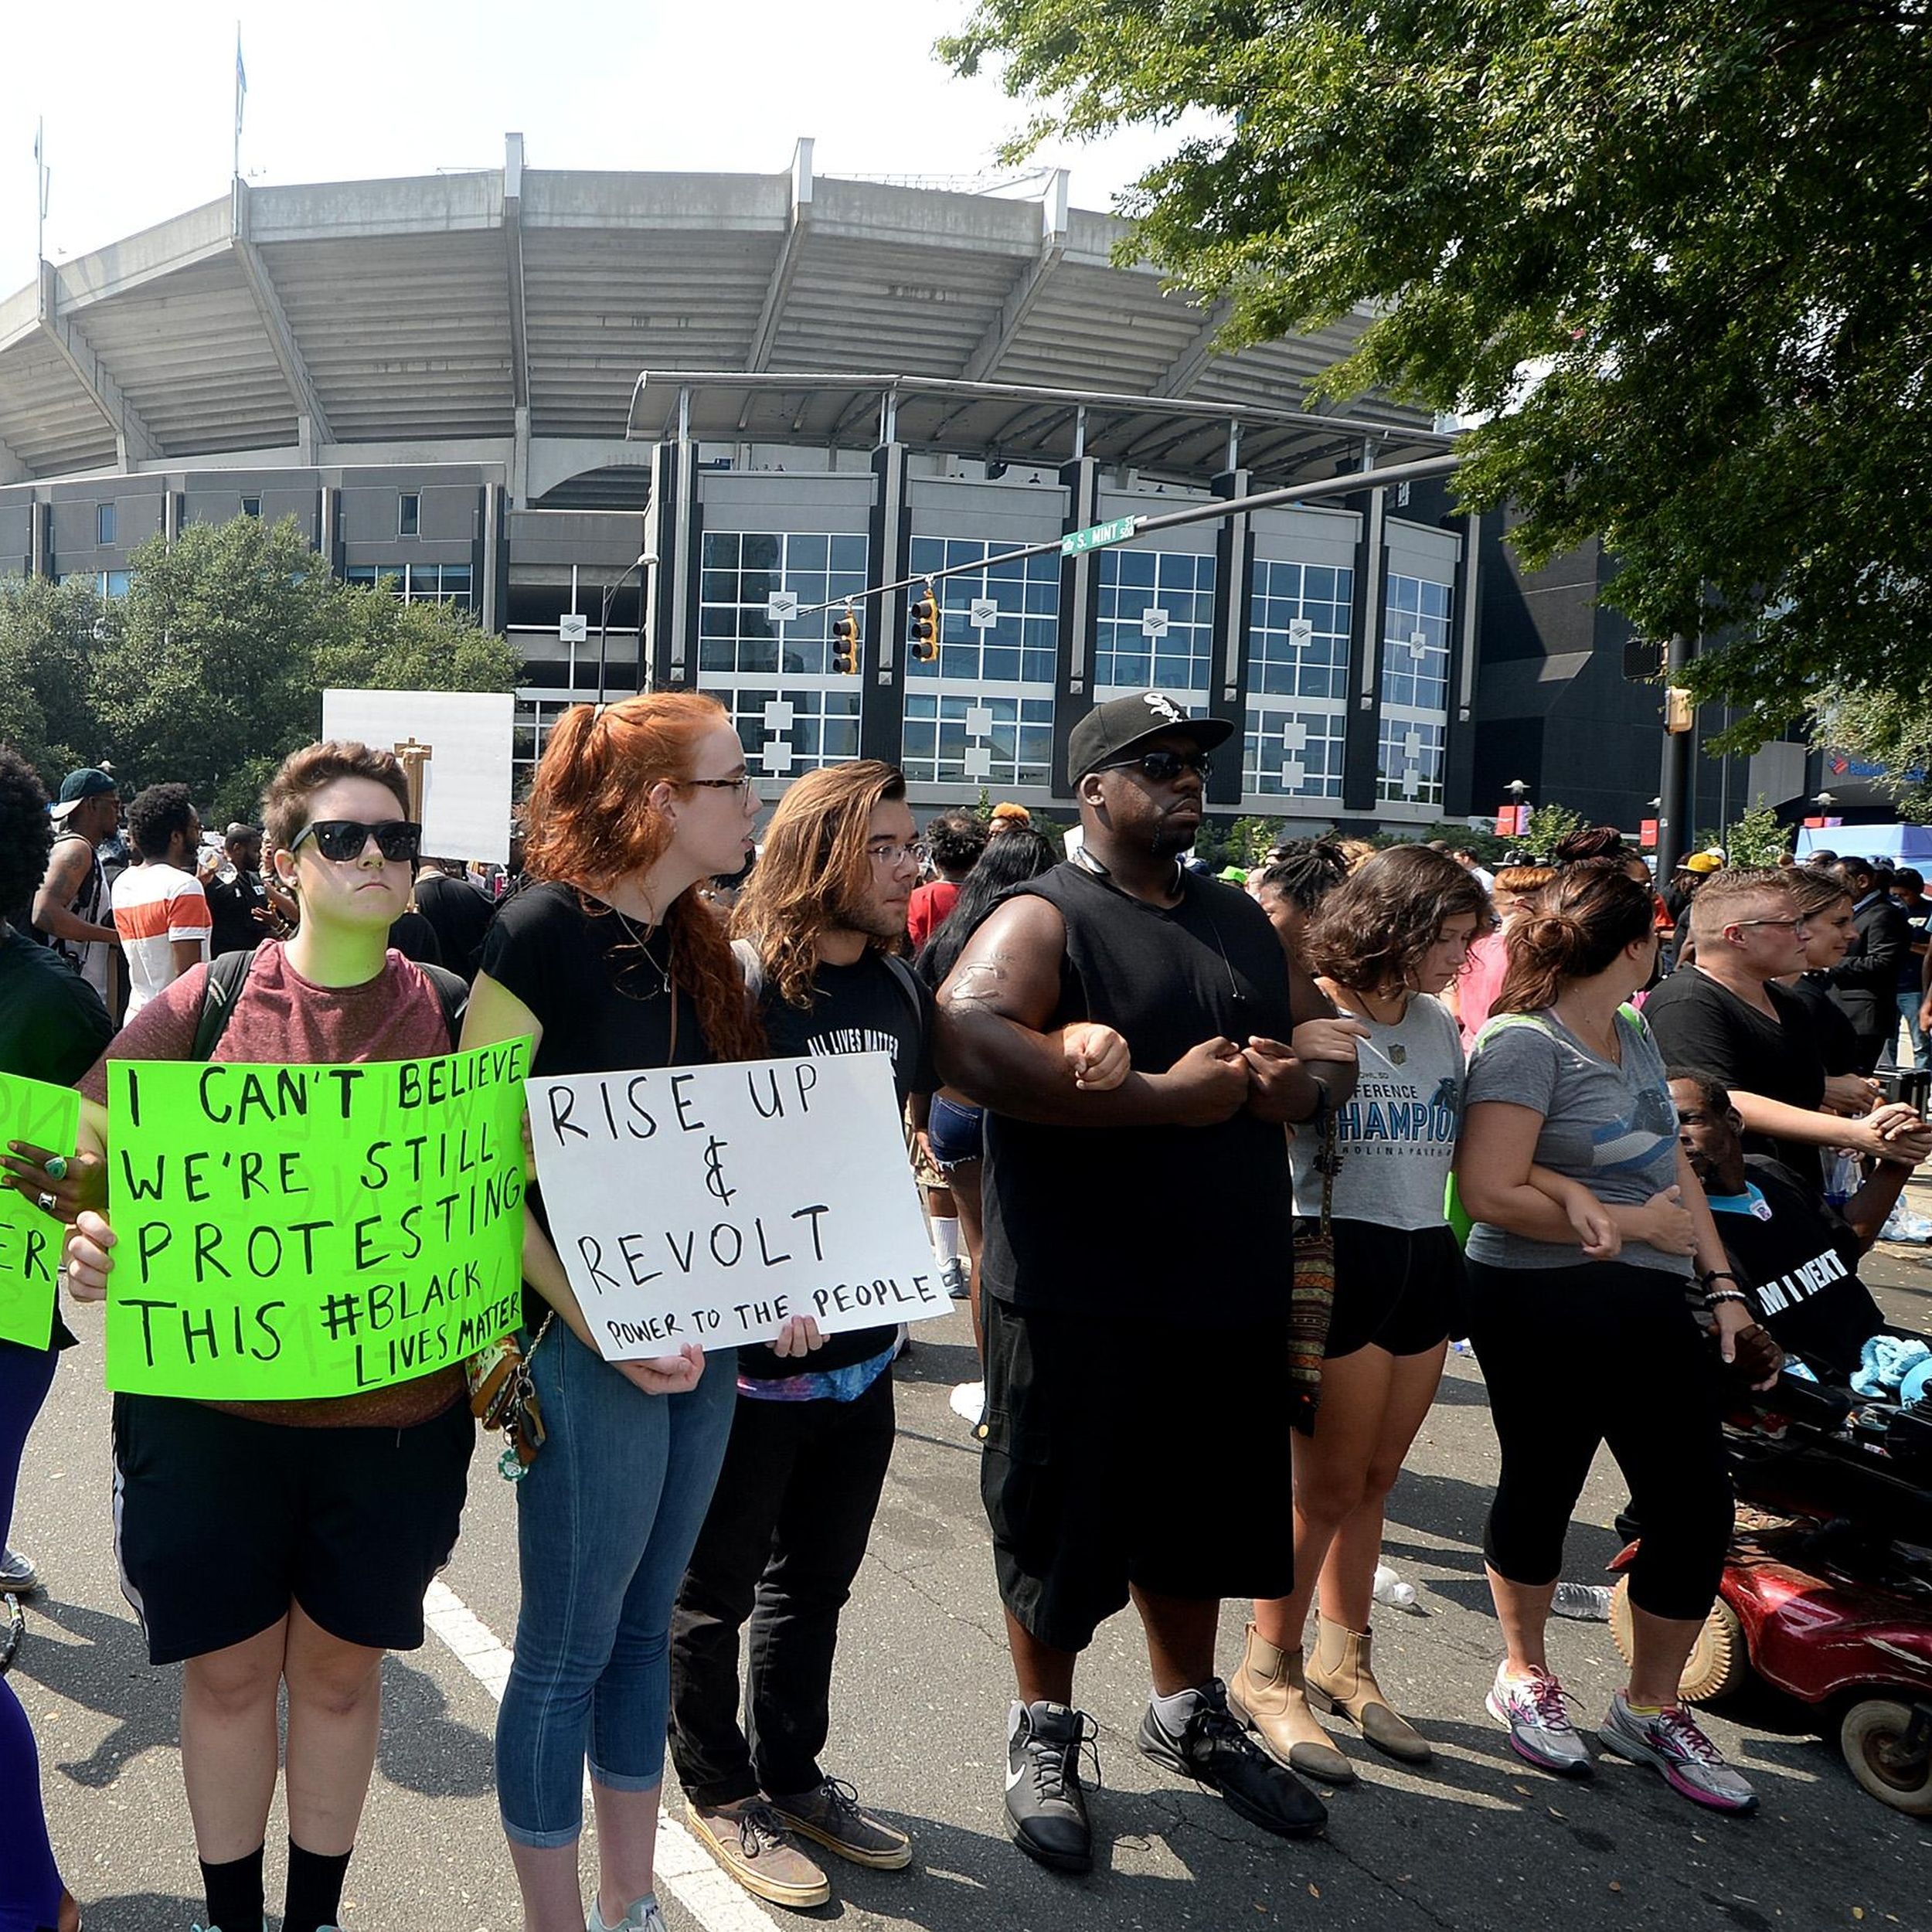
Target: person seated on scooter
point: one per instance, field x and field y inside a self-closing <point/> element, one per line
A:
<point x="1798" y="1259"/>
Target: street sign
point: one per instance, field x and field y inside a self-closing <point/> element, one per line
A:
<point x="1097" y="536"/>
<point x="573" y="627"/>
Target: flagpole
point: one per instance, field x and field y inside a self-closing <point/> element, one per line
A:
<point x="241" y="95"/>
<point x="39" y="193"/>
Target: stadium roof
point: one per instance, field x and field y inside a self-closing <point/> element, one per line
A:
<point x="521" y="302"/>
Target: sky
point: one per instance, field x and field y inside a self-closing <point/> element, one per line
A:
<point x="137" y="100"/>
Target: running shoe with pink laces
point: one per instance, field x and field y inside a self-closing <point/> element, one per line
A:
<point x="1671" y="1740"/>
<point x="1539" y="1727"/>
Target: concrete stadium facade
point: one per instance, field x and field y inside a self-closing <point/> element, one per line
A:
<point x="509" y="388"/>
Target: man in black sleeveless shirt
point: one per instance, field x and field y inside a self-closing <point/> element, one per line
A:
<point x="1136" y="1440"/>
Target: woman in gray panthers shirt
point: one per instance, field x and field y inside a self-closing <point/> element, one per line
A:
<point x="1589" y="1339"/>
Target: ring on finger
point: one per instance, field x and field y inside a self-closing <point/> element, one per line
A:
<point x="56" y="1167"/>
<point x="46" y="1203"/>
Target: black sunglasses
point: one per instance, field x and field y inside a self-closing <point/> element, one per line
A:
<point x="1163" y="767"/>
<point x="344" y="839"/>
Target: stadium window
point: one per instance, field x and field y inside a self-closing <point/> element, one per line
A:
<point x="252" y="506"/>
<point x="409" y="513"/>
<point x="106" y="522"/>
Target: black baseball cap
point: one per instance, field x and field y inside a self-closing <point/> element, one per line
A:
<point x="1113" y="730"/>
<point x="88" y="782"/>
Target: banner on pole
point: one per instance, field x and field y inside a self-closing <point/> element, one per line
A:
<point x="710" y="1204"/>
<point x="302" y="1231"/>
<point x="30" y="1239"/>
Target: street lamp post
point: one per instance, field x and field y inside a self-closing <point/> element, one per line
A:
<point x="644" y="562"/>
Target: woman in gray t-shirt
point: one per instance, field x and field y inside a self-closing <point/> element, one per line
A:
<point x="1384" y="944"/>
<point x="1587" y="1344"/>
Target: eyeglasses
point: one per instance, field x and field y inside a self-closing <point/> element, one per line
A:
<point x="742" y="785"/>
<point x="897" y="854"/>
<point x="1163" y="767"/>
<point x="1796" y="925"/>
<point x="344" y="839"/>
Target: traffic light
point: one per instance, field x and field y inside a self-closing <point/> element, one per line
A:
<point x="845" y="642"/>
<point x="923" y="630"/>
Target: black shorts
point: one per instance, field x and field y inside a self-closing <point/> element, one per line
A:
<point x="221" y="1522"/>
<point x="1117" y="1454"/>
<point x="1401" y="1289"/>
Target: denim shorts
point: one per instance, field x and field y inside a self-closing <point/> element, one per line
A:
<point x="954" y="1130"/>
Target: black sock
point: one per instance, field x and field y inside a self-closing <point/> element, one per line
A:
<point x="234" y="1893"/>
<point x="314" y="1889"/>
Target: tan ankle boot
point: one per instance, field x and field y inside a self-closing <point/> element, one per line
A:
<point x="1340" y="1678"/>
<point x="1267" y="1695"/>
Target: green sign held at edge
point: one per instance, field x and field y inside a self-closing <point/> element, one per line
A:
<point x="302" y="1231"/>
<point x="29" y="1240"/>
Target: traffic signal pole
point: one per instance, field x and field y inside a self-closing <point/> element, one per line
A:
<point x="1673" y="790"/>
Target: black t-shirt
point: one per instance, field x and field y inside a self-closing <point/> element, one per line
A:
<point x="232" y="905"/>
<point x="869" y="1006"/>
<point x="461" y="915"/>
<point x="1706" y="1029"/>
<point x="52" y="1025"/>
<point x="1189" y="1226"/>
<point x="414" y="937"/>
<point x="1838" y="1043"/>
<point x="603" y="1009"/>
<point x="1799" y="1262"/>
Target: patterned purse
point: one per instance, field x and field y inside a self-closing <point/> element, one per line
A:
<point x="1311" y="1297"/>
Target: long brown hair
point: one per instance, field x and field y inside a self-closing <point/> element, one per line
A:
<point x="1583" y="919"/>
<point x="811" y="867"/>
<point x="590" y="824"/>
<point x="1373" y="931"/>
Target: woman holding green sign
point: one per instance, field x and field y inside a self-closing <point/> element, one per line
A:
<point x="613" y="962"/>
<point x="289" y="1543"/>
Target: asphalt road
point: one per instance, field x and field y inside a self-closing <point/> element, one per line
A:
<point x="1478" y="1840"/>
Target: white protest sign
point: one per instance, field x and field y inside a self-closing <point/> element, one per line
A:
<point x="710" y="1204"/>
<point x="466" y="778"/>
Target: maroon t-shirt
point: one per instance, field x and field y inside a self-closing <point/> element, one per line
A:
<point x="282" y="1018"/>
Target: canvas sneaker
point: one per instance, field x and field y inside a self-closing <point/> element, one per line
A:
<point x="645" y="1915"/>
<point x="1046" y="1802"/>
<point x="1214" y="1749"/>
<point x="17" y="1572"/>
<point x="953" y="1278"/>
<point x="830" y="1816"/>
<point x="1671" y="1740"/>
<point x="1539" y="1727"/>
<point x="748" y="1839"/>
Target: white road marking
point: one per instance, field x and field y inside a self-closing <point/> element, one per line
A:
<point x="685" y="1870"/>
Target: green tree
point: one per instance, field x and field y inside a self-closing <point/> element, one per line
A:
<point x="1550" y="825"/>
<point x="1892" y="728"/>
<point x="1671" y="255"/>
<point x="1756" y="838"/>
<point x="47" y="635"/>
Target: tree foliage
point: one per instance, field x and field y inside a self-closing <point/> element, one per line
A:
<point x="1675" y="252"/>
<point x="211" y="669"/>
<point x="1550" y="825"/>
<point x="1890" y="728"/>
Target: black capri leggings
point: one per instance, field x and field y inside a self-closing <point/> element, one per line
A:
<point x="1604" y="1353"/>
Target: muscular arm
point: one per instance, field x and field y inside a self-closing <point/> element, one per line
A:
<point x="69" y="865"/>
<point x="992" y="1041"/>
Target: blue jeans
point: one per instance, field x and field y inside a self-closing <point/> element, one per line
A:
<point x="1909" y="1012"/>
<point x="606" y="1520"/>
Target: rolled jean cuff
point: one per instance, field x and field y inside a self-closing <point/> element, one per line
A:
<point x="543" y="1840"/>
<point x="626" y="1780"/>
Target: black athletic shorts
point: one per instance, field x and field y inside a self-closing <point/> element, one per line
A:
<point x="1402" y="1289"/>
<point x="221" y="1522"/>
<point x="1117" y="1454"/>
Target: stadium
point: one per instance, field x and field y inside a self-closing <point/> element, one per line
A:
<point x="657" y="429"/>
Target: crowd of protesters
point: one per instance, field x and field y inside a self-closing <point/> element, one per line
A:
<point x="1446" y="1102"/>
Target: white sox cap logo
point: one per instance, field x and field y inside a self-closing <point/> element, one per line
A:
<point x="1164" y="707"/>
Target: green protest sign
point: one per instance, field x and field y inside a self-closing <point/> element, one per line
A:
<point x="303" y="1231"/>
<point x="49" y="1117"/>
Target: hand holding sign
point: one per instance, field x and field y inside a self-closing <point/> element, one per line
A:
<point x="43" y="1116"/>
<point x="763" y="1200"/>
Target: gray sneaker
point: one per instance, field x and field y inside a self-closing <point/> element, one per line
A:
<point x="1671" y="1742"/>
<point x="830" y="1816"/>
<point x="17" y="1572"/>
<point x="644" y="1916"/>
<point x="953" y="1278"/>
<point x="1540" y="1731"/>
<point x="749" y="1839"/>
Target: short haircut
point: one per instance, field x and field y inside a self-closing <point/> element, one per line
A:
<point x="1725" y="892"/>
<point x="303" y="773"/>
<point x="1910" y="878"/>
<point x="26" y="834"/>
<point x="156" y="816"/>
<point x="1710" y="1089"/>
<point x="238" y="834"/>
<point x="956" y="839"/>
<point x="1865" y="868"/>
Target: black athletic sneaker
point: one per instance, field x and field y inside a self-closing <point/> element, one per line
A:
<point x="1045" y="1806"/>
<point x="1213" y="1748"/>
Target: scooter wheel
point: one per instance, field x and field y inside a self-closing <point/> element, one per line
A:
<point x="1872" y="1739"/>
<point x="1719" y="1660"/>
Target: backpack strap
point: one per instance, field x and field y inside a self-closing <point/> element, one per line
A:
<point x="452" y="994"/>
<point x="907" y="981"/>
<point x="219" y="993"/>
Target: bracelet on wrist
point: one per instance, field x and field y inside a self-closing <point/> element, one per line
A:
<point x="1726" y="1294"/>
<point x="1718" y="1274"/>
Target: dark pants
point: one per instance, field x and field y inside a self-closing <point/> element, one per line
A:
<point x="783" y="1542"/>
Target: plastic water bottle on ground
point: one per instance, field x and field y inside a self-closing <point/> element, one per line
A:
<point x="1586" y="1602"/>
<point x="1391" y="1590"/>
